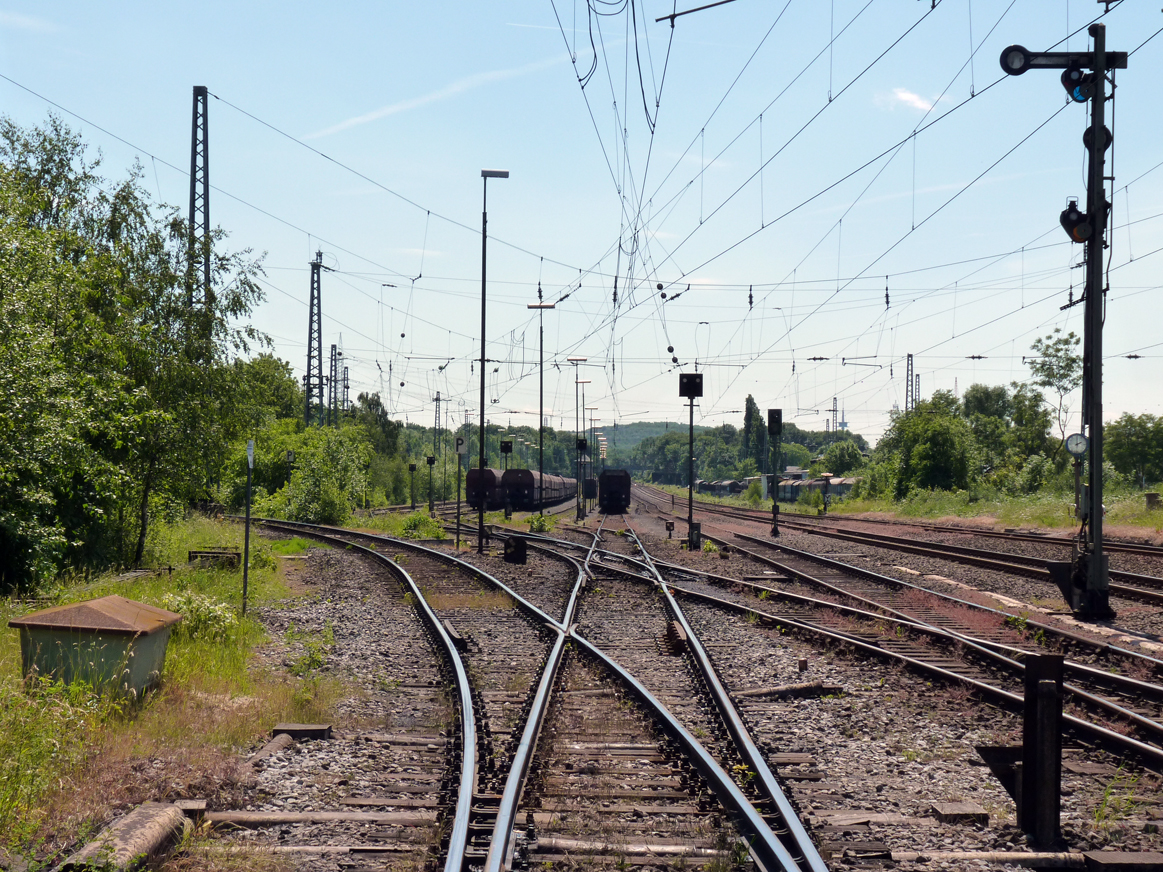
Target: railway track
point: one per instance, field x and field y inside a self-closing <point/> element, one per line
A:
<point x="987" y="660"/>
<point x="412" y="800"/>
<point x="630" y="743"/>
<point x="1008" y="535"/>
<point x="1128" y="585"/>
<point x="540" y="750"/>
<point x="931" y="630"/>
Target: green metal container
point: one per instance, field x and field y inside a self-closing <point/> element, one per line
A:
<point x="115" y="644"/>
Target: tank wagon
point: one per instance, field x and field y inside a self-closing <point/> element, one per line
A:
<point x="614" y="491"/>
<point x="520" y="486"/>
<point x="487" y="485"/>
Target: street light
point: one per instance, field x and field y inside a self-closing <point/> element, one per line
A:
<point x="541" y="307"/>
<point x="485" y="176"/>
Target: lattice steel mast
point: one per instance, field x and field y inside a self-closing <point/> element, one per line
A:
<point x="198" y="261"/>
<point x="313" y="380"/>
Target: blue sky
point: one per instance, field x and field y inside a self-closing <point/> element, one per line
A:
<point x="761" y="153"/>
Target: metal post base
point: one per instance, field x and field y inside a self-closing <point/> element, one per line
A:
<point x="1095" y="606"/>
<point x="1088" y="599"/>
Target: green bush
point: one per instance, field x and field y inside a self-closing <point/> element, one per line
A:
<point x="419" y="526"/>
<point x="754" y="493"/>
<point x="811" y="499"/>
<point x="542" y="523"/>
<point x="203" y="617"/>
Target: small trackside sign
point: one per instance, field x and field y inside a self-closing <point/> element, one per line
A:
<point x="461" y="445"/>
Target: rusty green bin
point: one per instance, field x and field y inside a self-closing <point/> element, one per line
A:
<point x="113" y="643"/>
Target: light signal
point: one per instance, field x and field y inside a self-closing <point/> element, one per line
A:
<point x="1075" y="222"/>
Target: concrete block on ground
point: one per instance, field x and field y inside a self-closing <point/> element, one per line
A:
<point x="143" y="834"/>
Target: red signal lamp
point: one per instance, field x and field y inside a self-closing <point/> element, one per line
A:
<point x="1075" y="222"/>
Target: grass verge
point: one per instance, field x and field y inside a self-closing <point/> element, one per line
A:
<point x="69" y="758"/>
<point x="414" y="525"/>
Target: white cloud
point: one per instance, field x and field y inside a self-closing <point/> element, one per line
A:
<point x="458" y="87"/>
<point x="908" y="98"/>
<point x="15" y="21"/>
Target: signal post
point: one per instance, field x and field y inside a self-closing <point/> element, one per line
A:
<point x="1084" y="77"/>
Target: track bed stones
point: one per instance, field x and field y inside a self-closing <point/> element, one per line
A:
<point x="545" y="580"/>
<point x="375" y="785"/>
<point x="629" y="622"/>
<point x="503" y="651"/>
<point x="899" y="739"/>
<point x="614" y="538"/>
<point x="864" y="765"/>
<point x="607" y="792"/>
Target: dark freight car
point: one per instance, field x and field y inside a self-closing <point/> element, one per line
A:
<point x="614" y="491"/>
<point x="487" y="485"/>
<point x="521" y="487"/>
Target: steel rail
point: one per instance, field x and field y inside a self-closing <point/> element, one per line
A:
<point x="1045" y="538"/>
<point x="499" y="850"/>
<point x="500" y="856"/>
<point x="500" y="845"/>
<point x="456" y="860"/>
<point x="766" y="847"/>
<point x="458" y="838"/>
<point x="1015" y="702"/>
<point x="1146" y="725"/>
<point x="1121" y="683"/>
<point x="435" y="554"/>
<point x="1000" y="655"/>
<point x="809" y="857"/>
<point x="861" y="572"/>
<point x="1147" y="586"/>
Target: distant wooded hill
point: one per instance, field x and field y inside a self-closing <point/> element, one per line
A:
<point x="625" y="437"/>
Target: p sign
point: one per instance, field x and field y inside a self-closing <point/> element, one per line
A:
<point x="461" y="445"/>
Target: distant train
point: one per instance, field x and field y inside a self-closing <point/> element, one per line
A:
<point x="787" y="490"/>
<point x="614" y="491"/>
<point x="518" y="486"/>
<point x="484" y="485"/>
<point x="521" y="488"/>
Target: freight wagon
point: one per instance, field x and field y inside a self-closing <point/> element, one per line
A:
<point x="521" y="488"/>
<point x="486" y="485"/>
<point x="614" y="491"/>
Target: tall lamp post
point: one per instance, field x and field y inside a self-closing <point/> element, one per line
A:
<point x="541" y="307"/>
<point x="485" y="176"/>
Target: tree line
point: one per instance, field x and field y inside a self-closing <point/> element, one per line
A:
<point x="130" y="398"/>
<point x="130" y="392"/>
<point x="730" y="452"/>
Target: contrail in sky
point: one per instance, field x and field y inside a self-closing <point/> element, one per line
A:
<point x="468" y="83"/>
